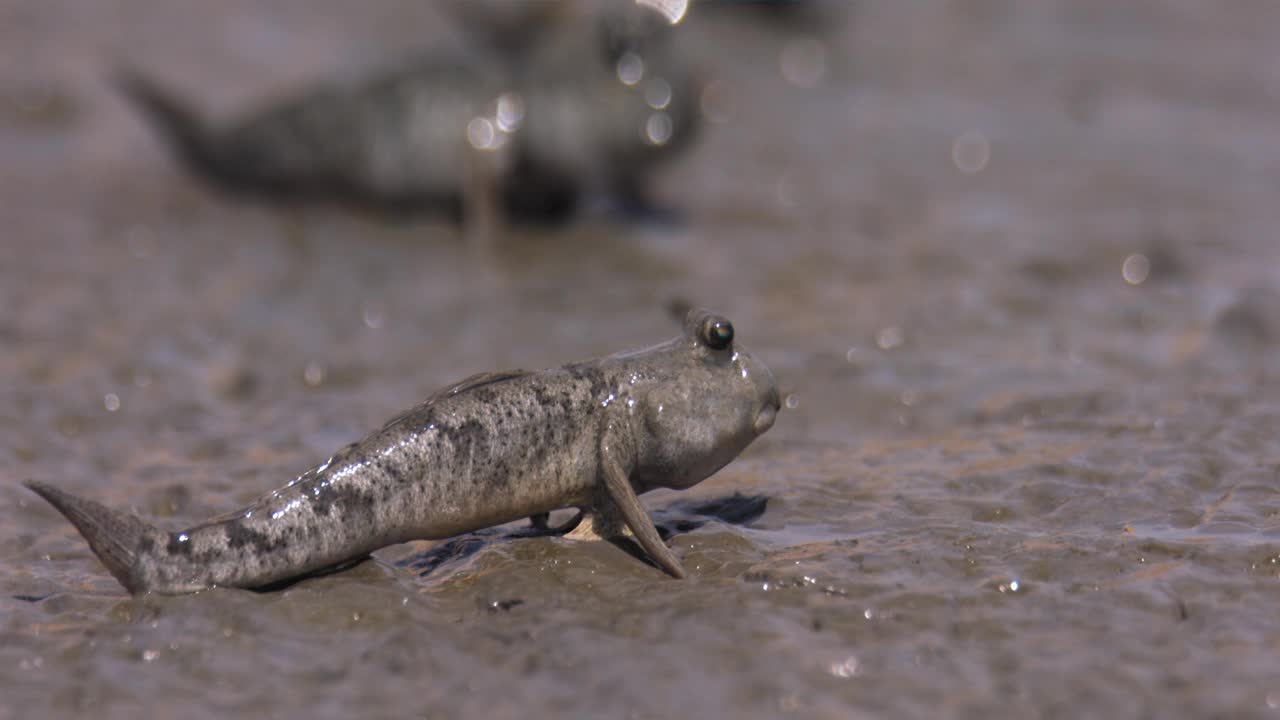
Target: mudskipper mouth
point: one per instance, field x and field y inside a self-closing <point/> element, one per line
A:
<point x="768" y="413"/>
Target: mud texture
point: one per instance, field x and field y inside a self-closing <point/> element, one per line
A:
<point x="1014" y="265"/>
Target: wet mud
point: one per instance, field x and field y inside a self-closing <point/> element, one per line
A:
<point x="1014" y="265"/>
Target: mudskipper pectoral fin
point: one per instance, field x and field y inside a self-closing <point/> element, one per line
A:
<point x="628" y="506"/>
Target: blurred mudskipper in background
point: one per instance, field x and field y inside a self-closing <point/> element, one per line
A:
<point x="554" y="103"/>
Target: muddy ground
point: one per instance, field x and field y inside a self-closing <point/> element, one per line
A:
<point x="1014" y="263"/>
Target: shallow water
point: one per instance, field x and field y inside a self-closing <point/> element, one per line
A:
<point x="1014" y="265"/>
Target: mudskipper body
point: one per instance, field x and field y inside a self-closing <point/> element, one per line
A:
<point x="488" y="450"/>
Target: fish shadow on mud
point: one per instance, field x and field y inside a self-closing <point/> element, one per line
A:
<point x="677" y="518"/>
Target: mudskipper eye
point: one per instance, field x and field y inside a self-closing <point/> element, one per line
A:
<point x="717" y="333"/>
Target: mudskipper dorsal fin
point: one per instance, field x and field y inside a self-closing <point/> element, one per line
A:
<point x="463" y="385"/>
<point x="473" y="382"/>
<point x="113" y="536"/>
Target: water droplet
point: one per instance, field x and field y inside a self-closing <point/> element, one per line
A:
<point x="971" y="152"/>
<point x="510" y="112"/>
<point x="890" y="337"/>
<point x="111" y="402"/>
<point x="313" y="374"/>
<point x="374" y="315"/>
<point x="673" y="10"/>
<point x="792" y="402"/>
<point x="657" y="93"/>
<point x="481" y="133"/>
<point x="658" y="128"/>
<point x="149" y="655"/>
<point x="804" y="62"/>
<point x="846" y="668"/>
<point x="630" y="69"/>
<point x="1135" y="269"/>
<point x="718" y="103"/>
<point x="851" y="356"/>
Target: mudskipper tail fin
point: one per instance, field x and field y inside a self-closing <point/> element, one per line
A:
<point x="113" y="536"/>
<point x="183" y="129"/>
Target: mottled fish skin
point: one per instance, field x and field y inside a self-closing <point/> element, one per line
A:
<point x="489" y="450"/>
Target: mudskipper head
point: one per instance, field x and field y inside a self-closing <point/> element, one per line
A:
<point x="708" y="403"/>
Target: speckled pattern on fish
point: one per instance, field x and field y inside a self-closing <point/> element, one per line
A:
<point x="491" y="449"/>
